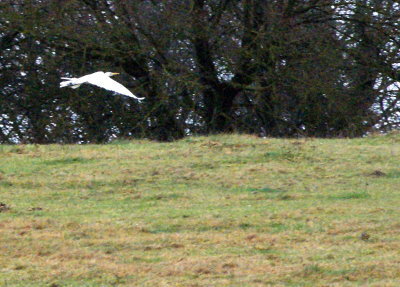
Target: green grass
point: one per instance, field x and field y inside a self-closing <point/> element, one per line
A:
<point x="223" y="210"/>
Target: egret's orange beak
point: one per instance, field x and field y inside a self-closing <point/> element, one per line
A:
<point x="114" y="74"/>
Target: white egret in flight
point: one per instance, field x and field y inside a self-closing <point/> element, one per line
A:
<point x="101" y="80"/>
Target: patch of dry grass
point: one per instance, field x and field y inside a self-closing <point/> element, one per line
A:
<point x="204" y="211"/>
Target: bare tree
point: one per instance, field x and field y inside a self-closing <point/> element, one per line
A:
<point x="281" y="68"/>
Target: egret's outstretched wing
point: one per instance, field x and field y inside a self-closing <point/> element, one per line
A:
<point x="109" y="84"/>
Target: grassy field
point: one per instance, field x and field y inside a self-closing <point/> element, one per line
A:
<point x="204" y="211"/>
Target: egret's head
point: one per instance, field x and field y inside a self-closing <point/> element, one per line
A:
<point x="110" y="74"/>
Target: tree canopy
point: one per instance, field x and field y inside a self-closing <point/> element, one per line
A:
<point x="320" y="68"/>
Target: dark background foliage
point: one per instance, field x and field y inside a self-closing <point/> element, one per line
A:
<point x="321" y="68"/>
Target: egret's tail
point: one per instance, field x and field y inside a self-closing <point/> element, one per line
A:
<point x="65" y="84"/>
<point x="69" y="83"/>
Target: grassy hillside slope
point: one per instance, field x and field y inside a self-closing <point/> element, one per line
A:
<point x="204" y="211"/>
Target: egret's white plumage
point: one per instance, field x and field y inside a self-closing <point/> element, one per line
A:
<point x="101" y="80"/>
